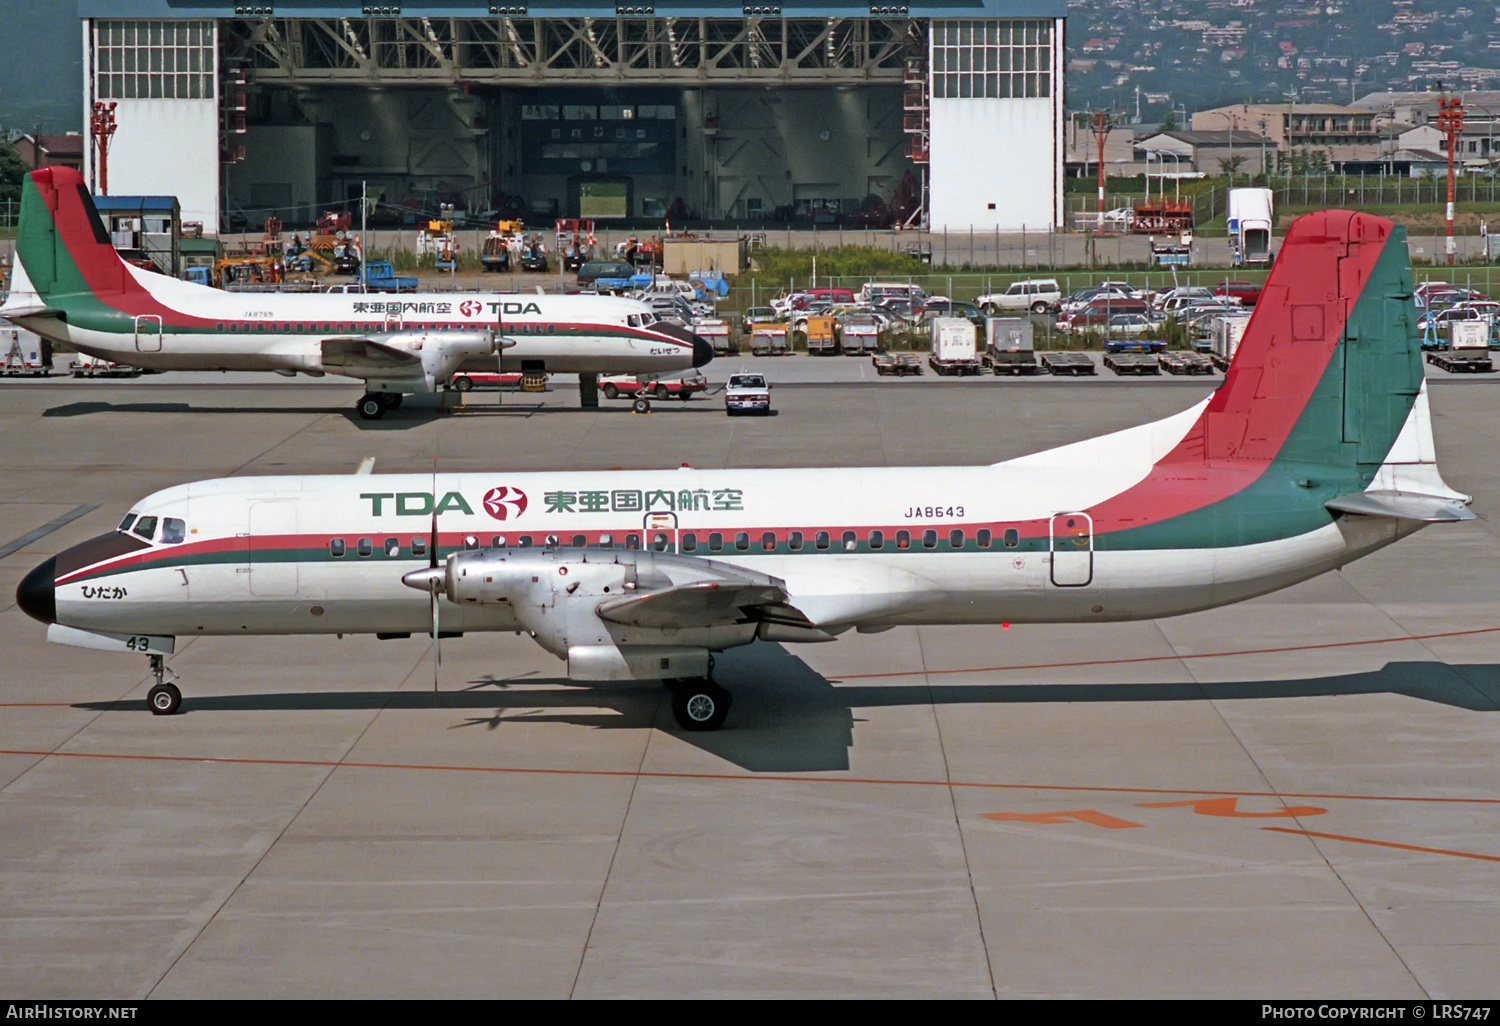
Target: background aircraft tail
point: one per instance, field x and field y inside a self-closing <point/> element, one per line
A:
<point x="62" y="244"/>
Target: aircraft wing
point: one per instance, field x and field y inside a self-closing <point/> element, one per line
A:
<point x="364" y="354"/>
<point x="699" y="604"/>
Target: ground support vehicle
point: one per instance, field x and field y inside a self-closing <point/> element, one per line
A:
<point x="26" y="354"/>
<point x="1009" y="346"/>
<point x="1132" y="363"/>
<point x="1249" y="224"/>
<point x="1468" y="349"/>
<point x="747" y="392"/>
<point x="822" y="337"/>
<point x="1225" y="335"/>
<point x="629" y="386"/>
<point x="859" y="334"/>
<point x="1134" y="344"/>
<point x="574" y="241"/>
<point x="1068" y="363"/>
<point x="898" y="364"/>
<point x="716" y="331"/>
<point x="954" y="348"/>
<point x="1163" y="217"/>
<point x="86" y="366"/>
<point x="769" y="340"/>
<point x="380" y="276"/>
<point x="1185" y="363"/>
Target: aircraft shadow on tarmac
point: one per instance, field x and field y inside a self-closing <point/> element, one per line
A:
<point x="789" y="718"/>
<point x="408" y="417"/>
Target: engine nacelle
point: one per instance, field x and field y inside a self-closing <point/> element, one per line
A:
<point x="440" y="352"/>
<point x="555" y="595"/>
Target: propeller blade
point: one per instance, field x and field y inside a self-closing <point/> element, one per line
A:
<point x="437" y="643"/>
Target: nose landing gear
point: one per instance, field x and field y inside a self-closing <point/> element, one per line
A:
<point x="164" y="698"/>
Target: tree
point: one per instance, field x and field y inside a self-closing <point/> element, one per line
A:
<point x="1169" y="123"/>
<point x="12" y="170"/>
<point x="1229" y="165"/>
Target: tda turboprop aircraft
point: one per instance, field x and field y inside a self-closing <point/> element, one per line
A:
<point x="70" y="286"/>
<point x="1316" y="449"/>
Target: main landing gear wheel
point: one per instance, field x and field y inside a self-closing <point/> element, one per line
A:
<point x="699" y="704"/>
<point x="391" y="399"/>
<point x="370" y="406"/>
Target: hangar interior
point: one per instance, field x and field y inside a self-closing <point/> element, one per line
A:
<point x="776" y="115"/>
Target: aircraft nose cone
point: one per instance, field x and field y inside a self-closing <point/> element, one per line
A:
<point x="37" y="593"/>
<point x="702" y="351"/>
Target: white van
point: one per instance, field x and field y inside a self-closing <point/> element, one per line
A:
<point x="875" y="292"/>
<point x="1037" y="295"/>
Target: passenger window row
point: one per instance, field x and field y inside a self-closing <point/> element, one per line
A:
<point x="848" y="541"/>
<point x="715" y="541"/>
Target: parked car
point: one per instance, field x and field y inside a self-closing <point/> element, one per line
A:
<point x="1248" y="294"/>
<point x="1098" y="312"/>
<point x="1037" y="295"/>
<point x="628" y="386"/>
<point x="1179" y="296"/>
<point x="1131" y="324"/>
<point x="950" y="308"/>
<point x="468" y="381"/>
<point x="592" y="270"/>
<point x="1439" y="319"/>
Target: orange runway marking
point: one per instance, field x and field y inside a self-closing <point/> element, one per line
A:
<point x="1090" y="816"/>
<point x="1387" y="844"/>
<point x="1170" y="658"/>
<point x="1226" y="807"/>
<point x="741" y="777"/>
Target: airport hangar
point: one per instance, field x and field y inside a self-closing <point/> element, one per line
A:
<point x="743" y="113"/>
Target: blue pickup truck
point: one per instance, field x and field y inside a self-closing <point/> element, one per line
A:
<point x="380" y="276"/>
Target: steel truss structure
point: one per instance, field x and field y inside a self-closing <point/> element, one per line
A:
<point x="533" y="51"/>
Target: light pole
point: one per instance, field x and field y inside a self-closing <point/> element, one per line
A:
<point x="1451" y="121"/>
<point x="102" y="123"/>
<point x="1233" y="122"/>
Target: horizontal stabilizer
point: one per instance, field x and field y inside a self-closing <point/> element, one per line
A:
<point x="1432" y="509"/>
<point x="700" y="604"/>
<point x="362" y="354"/>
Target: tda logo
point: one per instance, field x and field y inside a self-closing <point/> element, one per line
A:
<point x="504" y="502"/>
<point x="470" y="307"/>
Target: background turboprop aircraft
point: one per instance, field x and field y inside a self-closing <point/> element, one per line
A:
<point x="1316" y="450"/>
<point x="70" y="286"/>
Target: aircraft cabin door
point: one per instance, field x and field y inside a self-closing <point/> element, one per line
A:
<point x="271" y="549"/>
<point x="661" y="532"/>
<point x="1072" y="550"/>
<point x="148" y="333"/>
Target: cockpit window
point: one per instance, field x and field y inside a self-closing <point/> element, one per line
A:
<point x="173" y="531"/>
<point x="146" y="527"/>
<point x="125" y="524"/>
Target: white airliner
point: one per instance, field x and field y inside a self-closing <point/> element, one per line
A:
<point x="1316" y="449"/>
<point x="70" y="286"/>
